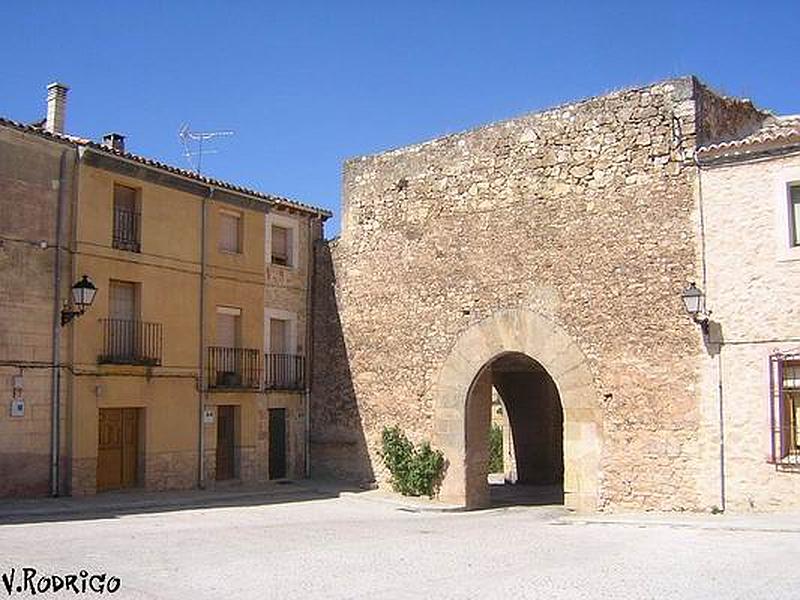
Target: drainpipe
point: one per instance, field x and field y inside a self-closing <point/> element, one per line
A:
<point x="722" y="500"/>
<point x="201" y="390"/>
<point x="55" y="387"/>
<point x="309" y="350"/>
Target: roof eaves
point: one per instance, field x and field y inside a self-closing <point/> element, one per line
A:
<point x="78" y="141"/>
<point x="219" y="183"/>
<point x="780" y="132"/>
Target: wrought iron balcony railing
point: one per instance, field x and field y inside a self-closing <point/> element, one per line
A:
<point x="127" y="230"/>
<point x="131" y="342"/>
<point x="234" y="368"/>
<point x="285" y="372"/>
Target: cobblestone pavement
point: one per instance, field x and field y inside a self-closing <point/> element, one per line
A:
<point x="366" y="547"/>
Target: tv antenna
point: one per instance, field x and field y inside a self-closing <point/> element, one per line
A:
<point x="193" y="145"/>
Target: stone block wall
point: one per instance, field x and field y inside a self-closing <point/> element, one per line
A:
<point x="170" y="470"/>
<point x="336" y="437"/>
<point x="30" y="179"/>
<point x="584" y="214"/>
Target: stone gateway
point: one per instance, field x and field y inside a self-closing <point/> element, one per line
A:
<point x="543" y="258"/>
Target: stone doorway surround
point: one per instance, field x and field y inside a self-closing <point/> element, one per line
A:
<point x="526" y="332"/>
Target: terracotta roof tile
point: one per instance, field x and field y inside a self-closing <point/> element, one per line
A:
<point x="71" y="139"/>
<point x="775" y="132"/>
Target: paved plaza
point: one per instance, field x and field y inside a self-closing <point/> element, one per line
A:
<point x="307" y="544"/>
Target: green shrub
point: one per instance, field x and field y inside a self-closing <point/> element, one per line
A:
<point x="416" y="471"/>
<point x="496" y="449"/>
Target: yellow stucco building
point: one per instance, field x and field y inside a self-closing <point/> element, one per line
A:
<point x="189" y="367"/>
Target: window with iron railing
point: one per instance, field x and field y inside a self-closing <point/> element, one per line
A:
<point x="785" y="409"/>
<point x="126" y="234"/>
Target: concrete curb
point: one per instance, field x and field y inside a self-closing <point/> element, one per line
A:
<point x="53" y="508"/>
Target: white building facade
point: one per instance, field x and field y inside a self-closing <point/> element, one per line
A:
<point x="749" y="191"/>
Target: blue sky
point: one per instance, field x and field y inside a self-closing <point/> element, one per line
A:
<point x="306" y="85"/>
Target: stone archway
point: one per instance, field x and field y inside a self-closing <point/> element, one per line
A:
<point x="527" y="333"/>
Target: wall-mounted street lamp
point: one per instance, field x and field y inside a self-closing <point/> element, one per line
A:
<point x="693" y="301"/>
<point x="82" y="297"/>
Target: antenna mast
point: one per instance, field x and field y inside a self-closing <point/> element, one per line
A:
<point x="193" y="142"/>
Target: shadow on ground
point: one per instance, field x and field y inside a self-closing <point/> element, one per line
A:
<point x="507" y="494"/>
<point x="111" y="505"/>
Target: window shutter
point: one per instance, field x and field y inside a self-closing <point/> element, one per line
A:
<point x="278" y="342"/>
<point x="229" y="232"/>
<point x="280" y="245"/>
<point x="122" y="301"/>
<point x="227" y="330"/>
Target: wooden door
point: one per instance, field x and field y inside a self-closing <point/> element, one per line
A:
<point x="117" y="448"/>
<point x="226" y="442"/>
<point x="277" y="443"/>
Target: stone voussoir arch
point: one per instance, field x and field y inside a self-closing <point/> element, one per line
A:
<point x="529" y="333"/>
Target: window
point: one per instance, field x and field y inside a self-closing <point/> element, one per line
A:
<point x="281" y="244"/>
<point x="230" y="365"/>
<point x="228" y="329"/>
<point x="285" y="369"/>
<point x="791" y="406"/>
<point x="121" y="328"/>
<point x="794" y="215"/>
<point x="122" y="300"/>
<point x="127" y="219"/>
<point x="127" y="339"/>
<point x="278" y="336"/>
<point x="230" y="232"/>
<point x="785" y="378"/>
<point x="282" y="240"/>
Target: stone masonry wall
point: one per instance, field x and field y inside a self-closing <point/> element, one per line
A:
<point x="721" y="118"/>
<point x="585" y="214"/>
<point x="29" y="187"/>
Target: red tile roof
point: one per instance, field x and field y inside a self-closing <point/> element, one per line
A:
<point x="75" y="140"/>
<point x="775" y="132"/>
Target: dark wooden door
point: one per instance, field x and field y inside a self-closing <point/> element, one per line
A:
<point x="226" y="442"/>
<point x="277" y="443"/>
<point x="117" y="448"/>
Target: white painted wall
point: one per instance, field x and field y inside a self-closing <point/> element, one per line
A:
<point x="753" y="291"/>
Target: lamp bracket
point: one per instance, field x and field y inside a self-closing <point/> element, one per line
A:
<point x="67" y="314"/>
<point x="703" y="319"/>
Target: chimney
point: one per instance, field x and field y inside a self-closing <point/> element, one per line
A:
<point x="115" y="141"/>
<point x="56" y="107"/>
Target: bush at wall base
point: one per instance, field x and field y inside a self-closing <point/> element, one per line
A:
<point x="416" y="470"/>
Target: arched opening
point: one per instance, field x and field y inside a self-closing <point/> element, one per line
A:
<point x="515" y="394"/>
<point x="465" y="381"/>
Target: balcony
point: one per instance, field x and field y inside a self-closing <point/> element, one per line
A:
<point x="285" y="372"/>
<point x="127" y="229"/>
<point x="129" y="342"/>
<point x="234" y="368"/>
